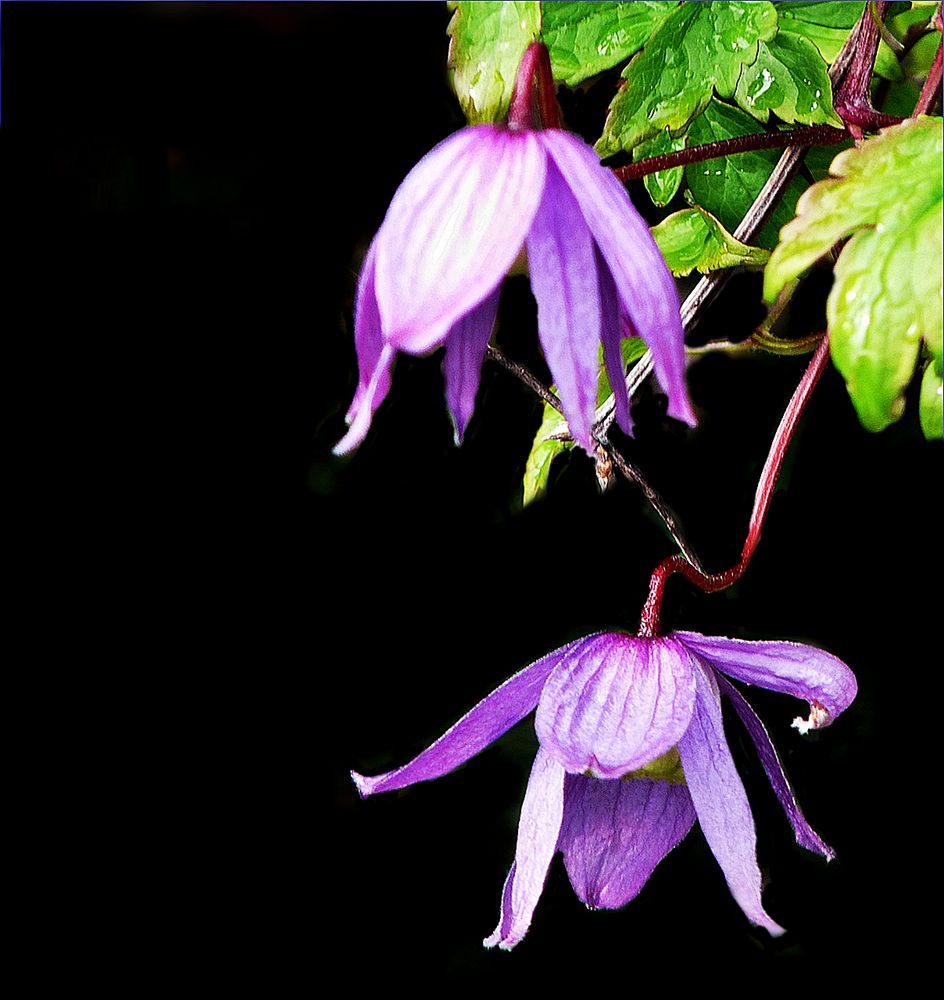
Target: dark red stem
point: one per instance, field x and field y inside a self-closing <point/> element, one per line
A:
<point x="805" y="135"/>
<point x="852" y="102"/>
<point x="713" y="582"/>
<point x="534" y="98"/>
<point x="929" y="91"/>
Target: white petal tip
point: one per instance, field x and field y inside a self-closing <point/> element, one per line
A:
<point x="819" y="718"/>
<point x="504" y="944"/>
<point x="350" y="441"/>
<point x="365" y="786"/>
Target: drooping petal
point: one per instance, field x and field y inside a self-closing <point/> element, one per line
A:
<point x="611" y="334"/>
<point x="538" y="829"/>
<point x="453" y="229"/>
<point x="462" y="366"/>
<point x="806" y="836"/>
<point x="616" y="703"/>
<point x="368" y="336"/>
<point x="614" y="833"/>
<point x="366" y="405"/>
<point x="506" y="914"/>
<point x="639" y="271"/>
<point x="493" y="715"/>
<point x="803" y="671"/>
<point x="720" y="800"/>
<point x="563" y="269"/>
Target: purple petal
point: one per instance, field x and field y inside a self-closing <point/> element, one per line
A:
<point x="462" y="366"/>
<point x="491" y="717"/>
<point x="792" y="668"/>
<point x="720" y="801"/>
<point x="614" y="834"/>
<point x="506" y="914"/>
<point x="611" y="335"/>
<point x="564" y="280"/>
<point x="368" y="335"/>
<point x="639" y="271"/>
<point x="616" y="703"/>
<point x="453" y="229"/>
<point x="538" y="829"/>
<point x="366" y="402"/>
<point x="806" y="836"/>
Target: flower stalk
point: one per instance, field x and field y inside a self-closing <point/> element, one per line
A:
<point x="932" y="86"/>
<point x="852" y="102"/>
<point x="534" y="98"/>
<point x="710" y="583"/>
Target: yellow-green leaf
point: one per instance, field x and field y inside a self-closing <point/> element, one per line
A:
<point x="887" y="196"/>
<point x="487" y="41"/>
<point x="693" y="238"/>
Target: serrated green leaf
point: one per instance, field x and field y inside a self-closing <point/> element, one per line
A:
<point x="931" y="404"/>
<point x="584" y="39"/>
<point x="888" y="287"/>
<point x="693" y="238"/>
<point x="546" y="447"/>
<point x="788" y="78"/>
<point x="699" y="49"/>
<point x="727" y="187"/>
<point x="663" y="185"/>
<point x="827" y="26"/>
<point x="487" y="41"/>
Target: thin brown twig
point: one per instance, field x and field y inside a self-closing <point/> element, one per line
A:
<point x="630" y="471"/>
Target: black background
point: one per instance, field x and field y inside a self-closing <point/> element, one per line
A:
<point x="189" y="190"/>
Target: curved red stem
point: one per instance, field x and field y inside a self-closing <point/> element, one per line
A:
<point x="712" y="582"/>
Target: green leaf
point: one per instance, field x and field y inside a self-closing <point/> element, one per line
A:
<point x="887" y="291"/>
<point x="699" y="49"/>
<point x="931" y="404"/>
<point x="833" y="14"/>
<point x="827" y="26"/>
<point x="487" y="41"/>
<point x="727" y="187"/>
<point x="586" y="38"/>
<point x="663" y="185"/>
<point x="788" y="78"/>
<point x="693" y="238"/>
<point x="918" y="15"/>
<point x="819" y="159"/>
<point x="921" y="55"/>
<point x="537" y="469"/>
<point x="902" y="97"/>
<point x="543" y="451"/>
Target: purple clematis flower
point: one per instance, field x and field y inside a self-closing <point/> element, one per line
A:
<point x="632" y="751"/>
<point x="454" y="229"/>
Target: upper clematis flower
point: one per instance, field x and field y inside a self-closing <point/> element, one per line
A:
<point x="454" y="229"/>
<point x="632" y="751"/>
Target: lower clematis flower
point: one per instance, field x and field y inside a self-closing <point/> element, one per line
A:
<point x="632" y="752"/>
<point x="455" y="227"/>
